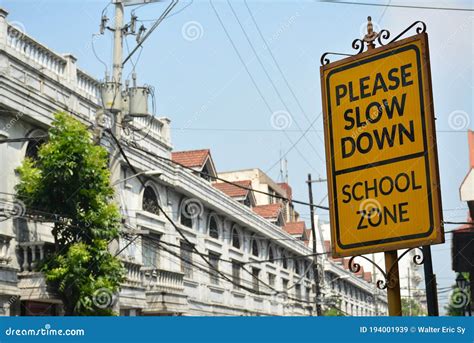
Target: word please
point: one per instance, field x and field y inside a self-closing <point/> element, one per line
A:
<point x="366" y="87"/>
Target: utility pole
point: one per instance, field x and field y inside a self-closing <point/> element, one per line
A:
<point x="117" y="62"/>
<point x="315" y="257"/>
<point x="430" y="282"/>
<point x="409" y="291"/>
<point x="376" y="292"/>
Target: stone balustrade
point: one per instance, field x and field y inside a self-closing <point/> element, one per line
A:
<point x="162" y="280"/>
<point x="133" y="274"/>
<point x="31" y="253"/>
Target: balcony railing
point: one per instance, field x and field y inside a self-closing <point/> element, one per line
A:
<point x="32" y="253"/>
<point x="162" y="280"/>
<point x="134" y="274"/>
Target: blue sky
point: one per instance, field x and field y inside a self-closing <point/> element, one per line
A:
<point x="205" y="89"/>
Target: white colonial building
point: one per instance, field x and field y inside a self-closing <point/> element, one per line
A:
<point x="258" y="268"/>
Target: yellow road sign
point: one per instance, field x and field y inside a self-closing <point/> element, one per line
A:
<point x="381" y="150"/>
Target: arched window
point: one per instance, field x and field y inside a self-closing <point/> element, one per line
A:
<point x="271" y="255"/>
<point x="190" y="209"/>
<point x="150" y="201"/>
<point x="37" y="140"/>
<point x="235" y="238"/>
<point x="213" y="228"/>
<point x="284" y="261"/>
<point x="255" y="250"/>
<point x="297" y="267"/>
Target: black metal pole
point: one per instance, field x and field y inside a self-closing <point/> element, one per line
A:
<point x="315" y="263"/>
<point x="430" y="282"/>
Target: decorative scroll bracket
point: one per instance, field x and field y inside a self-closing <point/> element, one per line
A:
<point x="387" y="282"/>
<point x="368" y="41"/>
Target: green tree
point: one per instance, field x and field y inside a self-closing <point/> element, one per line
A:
<point x="333" y="312"/>
<point x="411" y="307"/>
<point x="68" y="184"/>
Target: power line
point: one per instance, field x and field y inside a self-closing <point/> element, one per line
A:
<point x="168" y="218"/>
<point x="226" y="277"/>
<point x="398" y="6"/>
<point x="253" y="80"/>
<point x="275" y="88"/>
<point x="229" y="182"/>
<point x="287" y="84"/>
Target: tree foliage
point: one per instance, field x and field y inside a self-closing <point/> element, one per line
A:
<point x="411" y="307"/>
<point x="69" y="185"/>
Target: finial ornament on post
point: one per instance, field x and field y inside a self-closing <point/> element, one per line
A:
<point x="371" y="34"/>
<point x="370" y="37"/>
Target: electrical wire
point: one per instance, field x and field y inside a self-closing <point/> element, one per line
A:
<point x="239" y="55"/>
<point x="212" y="177"/>
<point x="286" y="82"/>
<point x="397" y="6"/>
<point x="228" y="277"/>
<point x="95" y="53"/>
<point x="275" y="88"/>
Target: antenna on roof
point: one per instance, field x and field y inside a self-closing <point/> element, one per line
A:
<point x="286" y="169"/>
<point x="281" y="176"/>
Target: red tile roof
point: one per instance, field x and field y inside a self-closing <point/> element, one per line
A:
<point x="368" y="276"/>
<point x="270" y="211"/>
<point x="232" y="190"/>
<point x="191" y="158"/>
<point x="295" y="228"/>
<point x="327" y="246"/>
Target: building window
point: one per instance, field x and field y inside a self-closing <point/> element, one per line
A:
<point x="186" y="259"/>
<point x="285" y="262"/>
<point x="150" y="201"/>
<point x="297" y="266"/>
<point x="187" y="213"/>
<point x="213" y="228"/>
<point x="307" y="269"/>
<point x="271" y="256"/>
<point x="150" y="252"/>
<point x="255" y="250"/>
<point x="255" y="279"/>
<point x="236" y="266"/>
<point x="308" y="293"/>
<point x="33" y="147"/>
<point x="298" y="291"/>
<point x="235" y="238"/>
<point x="284" y="283"/>
<point x="271" y="279"/>
<point x="214" y="268"/>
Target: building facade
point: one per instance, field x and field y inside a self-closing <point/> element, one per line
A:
<point x="220" y="254"/>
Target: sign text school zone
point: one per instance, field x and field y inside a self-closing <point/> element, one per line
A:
<point x="381" y="150"/>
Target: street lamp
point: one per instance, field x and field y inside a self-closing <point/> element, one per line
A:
<point x="147" y="172"/>
<point x="461" y="282"/>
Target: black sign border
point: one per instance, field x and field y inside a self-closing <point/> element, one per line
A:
<point x="397" y="159"/>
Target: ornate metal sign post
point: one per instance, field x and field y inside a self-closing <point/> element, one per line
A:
<point x="381" y="154"/>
